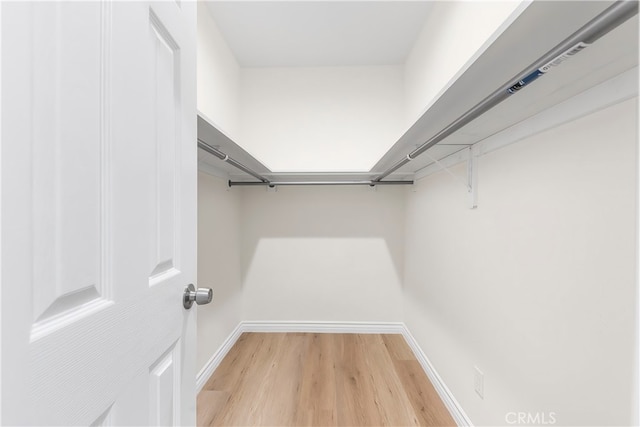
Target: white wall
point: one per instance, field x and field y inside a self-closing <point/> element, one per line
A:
<point x="336" y="119"/>
<point x="218" y="75"/>
<point x="537" y="286"/>
<point x="323" y="253"/>
<point x="455" y="33"/>
<point x="218" y="264"/>
<point x="327" y="119"/>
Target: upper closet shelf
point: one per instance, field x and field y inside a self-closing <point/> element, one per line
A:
<point x="211" y="135"/>
<point x="535" y="32"/>
<point x="220" y="155"/>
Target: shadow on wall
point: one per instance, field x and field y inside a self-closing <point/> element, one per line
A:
<point x="355" y="231"/>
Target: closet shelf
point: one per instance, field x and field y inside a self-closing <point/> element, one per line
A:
<point x="538" y="28"/>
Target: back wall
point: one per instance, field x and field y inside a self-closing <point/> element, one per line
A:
<point x="322" y="253"/>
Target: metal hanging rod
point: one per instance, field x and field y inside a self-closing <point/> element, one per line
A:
<point x="264" y="181"/>
<point x="275" y="183"/>
<point x="219" y="154"/>
<point x="609" y="19"/>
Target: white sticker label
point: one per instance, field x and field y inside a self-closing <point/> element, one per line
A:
<point x="562" y="57"/>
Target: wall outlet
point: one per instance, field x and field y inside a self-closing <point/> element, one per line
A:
<point x="478" y="382"/>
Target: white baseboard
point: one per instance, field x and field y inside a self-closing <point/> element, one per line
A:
<point x="208" y="369"/>
<point x="445" y="394"/>
<point x="325" y="327"/>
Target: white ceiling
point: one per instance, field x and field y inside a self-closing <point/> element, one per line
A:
<point x="319" y="33"/>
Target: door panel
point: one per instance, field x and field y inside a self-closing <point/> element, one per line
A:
<point x="165" y="74"/>
<point x="164" y="383"/>
<point x="68" y="258"/>
<point x="98" y="180"/>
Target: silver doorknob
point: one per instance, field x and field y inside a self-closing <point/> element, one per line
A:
<point x="200" y="296"/>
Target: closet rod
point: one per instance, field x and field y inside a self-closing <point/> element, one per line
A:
<point x="609" y="19"/>
<point x="264" y="181"/>
<point x="274" y="183"/>
<point x="219" y="154"/>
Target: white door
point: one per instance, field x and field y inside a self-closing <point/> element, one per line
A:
<point x="98" y="212"/>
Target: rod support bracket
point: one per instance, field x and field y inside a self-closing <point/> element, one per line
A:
<point x="472" y="175"/>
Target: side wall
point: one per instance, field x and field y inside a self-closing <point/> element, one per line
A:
<point x="218" y="264"/>
<point x="323" y="253"/>
<point x="455" y="33"/>
<point x="218" y="75"/>
<point x="536" y="287"/>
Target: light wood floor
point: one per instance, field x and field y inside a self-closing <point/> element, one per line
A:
<point x="300" y="379"/>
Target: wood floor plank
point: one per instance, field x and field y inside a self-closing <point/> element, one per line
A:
<point x="209" y="404"/>
<point x="320" y="380"/>
<point x="233" y="366"/>
<point x="397" y="347"/>
<point x="280" y="389"/>
<point x="244" y="406"/>
<point x="317" y="403"/>
<point x="371" y="390"/>
<point x="422" y="395"/>
<point x="388" y="390"/>
<point x="354" y="388"/>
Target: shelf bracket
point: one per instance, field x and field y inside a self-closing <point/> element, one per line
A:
<point x="471" y="181"/>
<point x="472" y="175"/>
